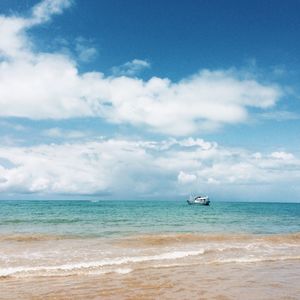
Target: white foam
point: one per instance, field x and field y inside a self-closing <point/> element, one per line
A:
<point x="123" y="270"/>
<point x="254" y="259"/>
<point x="96" y="264"/>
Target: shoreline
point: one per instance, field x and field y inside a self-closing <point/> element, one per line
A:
<point x="50" y="255"/>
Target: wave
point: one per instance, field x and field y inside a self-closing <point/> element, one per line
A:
<point x="253" y="259"/>
<point x="47" y="270"/>
<point x="113" y="265"/>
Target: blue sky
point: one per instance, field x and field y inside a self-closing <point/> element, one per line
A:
<point x="141" y="99"/>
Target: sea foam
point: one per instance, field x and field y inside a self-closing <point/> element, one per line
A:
<point x="48" y="270"/>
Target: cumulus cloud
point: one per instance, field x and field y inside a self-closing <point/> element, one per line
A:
<point x="52" y="88"/>
<point x="40" y="85"/>
<point x="120" y="167"/>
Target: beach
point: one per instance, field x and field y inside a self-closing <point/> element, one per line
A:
<point x="149" y="250"/>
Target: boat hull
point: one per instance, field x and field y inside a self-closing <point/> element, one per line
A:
<point x="206" y="203"/>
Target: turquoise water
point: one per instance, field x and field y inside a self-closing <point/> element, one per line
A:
<point x="119" y="218"/>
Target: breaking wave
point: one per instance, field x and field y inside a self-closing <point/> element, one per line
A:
<point x="69" y="269"/>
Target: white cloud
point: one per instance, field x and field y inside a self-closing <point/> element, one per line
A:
<point x="257" y="155"/>
<point x="14" y="42"/>
<point x="85" y="168"/>
<point x="282" y="155"/>
<point x="50" y="87"/>
<point x="125" y="168"/>
<point x="131" y="68"/>
<point x="41" y="85"/>
<point x="186" y="178"/>
<point x="190" y="142"/>
<point x="43" y="11"/>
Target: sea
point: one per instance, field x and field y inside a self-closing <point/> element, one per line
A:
<point x="149" y="250"/>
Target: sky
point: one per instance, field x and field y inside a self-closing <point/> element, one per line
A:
<point x="147" y="99"/>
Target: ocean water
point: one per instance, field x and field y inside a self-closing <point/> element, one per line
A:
<point x="148" y="250"/>
<point x="119" y="218"/>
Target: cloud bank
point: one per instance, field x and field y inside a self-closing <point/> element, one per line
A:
<point x="140" y="168"/>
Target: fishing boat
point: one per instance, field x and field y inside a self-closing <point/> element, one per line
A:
<point x="200" y="200"/>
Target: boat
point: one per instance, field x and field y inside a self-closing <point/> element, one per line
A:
<point x="200" y="200"/>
